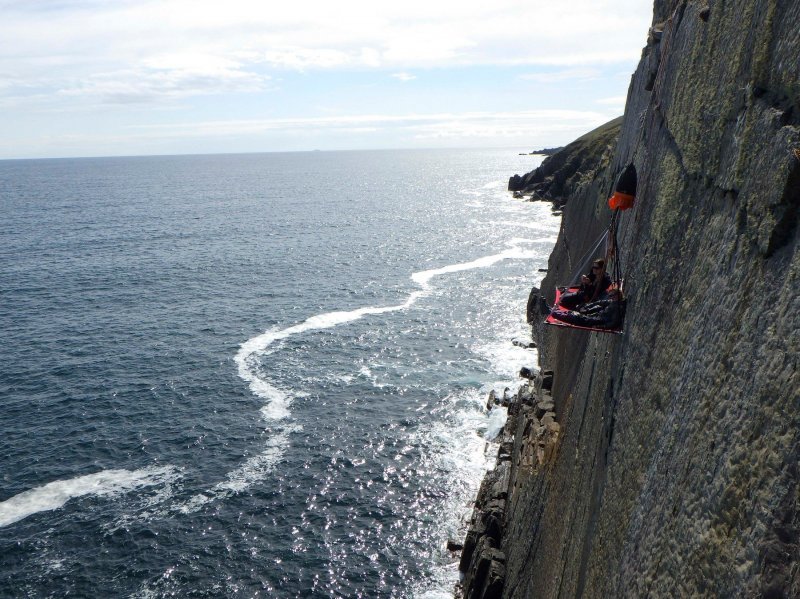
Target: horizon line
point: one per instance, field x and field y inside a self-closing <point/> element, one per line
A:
<point x="312" y="151"/>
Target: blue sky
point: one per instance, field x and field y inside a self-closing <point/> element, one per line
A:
<point x="92" y="78"/>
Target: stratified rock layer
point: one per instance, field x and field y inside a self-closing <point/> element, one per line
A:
<point x="675" y="471"/>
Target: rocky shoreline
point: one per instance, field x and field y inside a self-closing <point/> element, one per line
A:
<point x="527" y="442"/>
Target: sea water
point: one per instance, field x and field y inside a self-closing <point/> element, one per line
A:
<point x="255" y="375"/>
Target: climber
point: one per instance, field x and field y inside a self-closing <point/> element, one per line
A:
<point x="602" y="314"/>
<point x="593" y="287"/>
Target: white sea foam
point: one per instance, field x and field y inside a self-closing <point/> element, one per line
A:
<point x="279" y="401"/>
<point x="193" y="504"/>
<point x="251" y="471"/>
<point x="257" y="467"/>
<point x="423" y="278"/>
<point x="54" y="495"/>
<point x="497" y="420"/>
<point x="506" y="358"/>
<point x="453" y="446"/>
<point x="535" y="225"/>
<point x="518" y="240"/>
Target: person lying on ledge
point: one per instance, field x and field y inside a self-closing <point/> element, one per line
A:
<point x="602" y="314"/>
<point x="593" y="286"/>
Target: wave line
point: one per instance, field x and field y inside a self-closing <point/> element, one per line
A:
<point x="278" y="401"/>
<point x="54" y="495"/>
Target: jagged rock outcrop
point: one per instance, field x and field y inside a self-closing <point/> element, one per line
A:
<point x="676" y="469"/>
<point x="568" y="171"/>
<point x="530" y="436"/>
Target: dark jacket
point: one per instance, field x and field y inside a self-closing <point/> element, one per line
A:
<point x="608" y="312"/>
<point x="588" y="288"/>
<point x="603" y="314"/>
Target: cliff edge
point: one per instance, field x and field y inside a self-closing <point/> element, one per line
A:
<point x="563" y="174"/>
<point x="664" y="462"/>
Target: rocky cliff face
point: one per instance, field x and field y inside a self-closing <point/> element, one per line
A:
<point x="673" y="468"/>
<point x="564" y="173"/>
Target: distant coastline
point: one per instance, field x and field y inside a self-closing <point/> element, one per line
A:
<point x="542" y="152"/>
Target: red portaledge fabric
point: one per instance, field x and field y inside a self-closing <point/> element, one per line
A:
<point x="560" y="323"/>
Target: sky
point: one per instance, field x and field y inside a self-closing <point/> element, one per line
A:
<point x="150" y="77"/>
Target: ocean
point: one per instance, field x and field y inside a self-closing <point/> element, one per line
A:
<point x="258" y="374"/>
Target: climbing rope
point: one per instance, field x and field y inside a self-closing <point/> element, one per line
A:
<point x="613" y="254"/>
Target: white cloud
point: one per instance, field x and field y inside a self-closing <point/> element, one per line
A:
<point x="515" y="126"/>
<point x="91" y="37"/>
<point x="134" y="60"/>
<point x="166" y="77"/>
<point x="301" y="59"/>
<point x="579" y="74"/>
<point x="613" y="101"/>
<point x="404" y="76"/>
<point x="421" y="125"/>
<point x="476" y="129"/>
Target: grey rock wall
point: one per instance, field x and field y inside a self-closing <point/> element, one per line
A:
<point x="675" y="470"/>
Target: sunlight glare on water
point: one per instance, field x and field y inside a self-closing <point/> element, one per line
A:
<point x="223" y="379"/>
